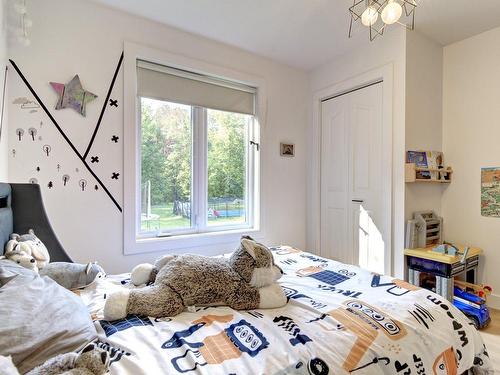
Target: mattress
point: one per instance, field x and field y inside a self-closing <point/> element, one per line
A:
<point x="339" y="319"/>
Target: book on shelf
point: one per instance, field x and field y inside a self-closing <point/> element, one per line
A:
<point x="419" y="158"/>
<point x="432" y="160"/>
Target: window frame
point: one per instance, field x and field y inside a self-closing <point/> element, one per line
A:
<point x="199" y="181"/>
<point x="134" y="242"/>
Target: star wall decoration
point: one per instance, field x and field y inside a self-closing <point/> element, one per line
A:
<point x="72" y="95"/>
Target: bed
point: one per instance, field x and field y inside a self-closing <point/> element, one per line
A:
<point x="340" y="319"/>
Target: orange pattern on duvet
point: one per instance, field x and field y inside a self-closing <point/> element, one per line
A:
<point x="446" y="363"/>
<point x="219" y="348"/>
<point x="365" y="322"/>
<point x="405" y="285"/>
<point x="309" y="271"/>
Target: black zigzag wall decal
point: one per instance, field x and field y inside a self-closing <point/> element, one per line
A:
<point x="61" y="131"/>
<point x="3" y="101"/>
<point x="104" y="106"/>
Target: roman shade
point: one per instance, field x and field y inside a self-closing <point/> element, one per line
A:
<point x="179" y="86"/>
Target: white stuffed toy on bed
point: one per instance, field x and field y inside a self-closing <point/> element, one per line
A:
<point x="29" y="244"/>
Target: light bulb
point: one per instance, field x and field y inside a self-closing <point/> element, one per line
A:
<point x="392" y="12"/>
<point x="369" y="16"/>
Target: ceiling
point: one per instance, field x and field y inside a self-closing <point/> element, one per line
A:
<point x="304" y="33"/>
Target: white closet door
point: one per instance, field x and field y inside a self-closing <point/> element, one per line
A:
<point x="355" y="211"/>
<point x="335" y="196"/>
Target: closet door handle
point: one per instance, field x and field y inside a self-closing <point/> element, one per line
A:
<point x="357" y="200"/>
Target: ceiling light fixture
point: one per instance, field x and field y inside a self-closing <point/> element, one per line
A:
<point x="369" y="16"/>
<point x="377" y="14"/>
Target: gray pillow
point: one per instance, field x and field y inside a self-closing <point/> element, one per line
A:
<point x="39" y="318"/>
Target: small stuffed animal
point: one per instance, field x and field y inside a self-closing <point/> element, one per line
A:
<point x="19" y="255"/>
<point x="73" y="275"/>
<point x="91" y="361"/>
<point x="247" y="280"/>
<point x="32" y="245"/>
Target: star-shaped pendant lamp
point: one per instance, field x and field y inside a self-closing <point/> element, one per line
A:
<point x="72" y="95"/>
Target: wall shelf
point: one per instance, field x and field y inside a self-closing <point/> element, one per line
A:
<point x="411" y="174"/>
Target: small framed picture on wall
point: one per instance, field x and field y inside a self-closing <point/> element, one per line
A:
<point x="287" y="149"/>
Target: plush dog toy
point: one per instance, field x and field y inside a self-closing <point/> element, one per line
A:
<point x="91" y="361"/>
<point x="28" y="251"/>
<point x="247" y="280"/>
<point x="73" y="275"/>
<point x="31" y="245"/>
<point x="21" y="257"/>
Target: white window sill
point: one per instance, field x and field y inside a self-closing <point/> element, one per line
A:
<point x="192" y="243"/>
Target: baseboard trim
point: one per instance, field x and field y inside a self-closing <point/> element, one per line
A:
<point x="494" y="301"/>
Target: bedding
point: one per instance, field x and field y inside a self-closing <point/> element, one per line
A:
<point x="340" y="319"/>
<point x="38" y="318"/>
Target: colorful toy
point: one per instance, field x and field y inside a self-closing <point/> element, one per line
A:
<point x="436" y="268"/>
<point x="480" y="290"/>
<point x="474" y="307"/>
<point x="444" y="268"/>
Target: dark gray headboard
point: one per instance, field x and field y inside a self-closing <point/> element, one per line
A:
<point x="23" y="210"/>
<point x="6" y="222"/>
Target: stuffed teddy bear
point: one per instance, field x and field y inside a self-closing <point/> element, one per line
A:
<point x="73" y="275"/>
<point x="31" y="245"/>
<point x="20" y="255"/>
<point x="91" y="361"/>
<point x="247" y="280"/>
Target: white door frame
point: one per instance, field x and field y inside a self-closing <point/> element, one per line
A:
<point x="385" y="74"/>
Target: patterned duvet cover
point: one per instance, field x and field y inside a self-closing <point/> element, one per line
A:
<point x="340" y="319"/>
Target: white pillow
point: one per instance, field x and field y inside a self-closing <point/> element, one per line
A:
<point x="40" y="318"/>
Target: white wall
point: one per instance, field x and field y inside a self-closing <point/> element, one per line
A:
<point x="76" y="36"/>
<point x="4" y="147"/>
<point x="390" y="49"/>
<point x="471" y="133"/>
<point x="424" y="130"/>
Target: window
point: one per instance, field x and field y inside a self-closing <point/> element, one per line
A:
<point x="197" y="153"/>
<point x="166" y="166"/>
